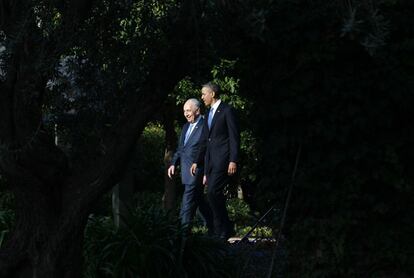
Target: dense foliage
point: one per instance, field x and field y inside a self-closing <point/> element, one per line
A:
<point x="333" y="79"/>
<point x="151" y="244"/>
<point x="336" y="80"/>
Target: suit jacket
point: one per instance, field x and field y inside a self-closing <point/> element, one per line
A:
<point x="220" y="142"/>
<point x="187" y="154"/>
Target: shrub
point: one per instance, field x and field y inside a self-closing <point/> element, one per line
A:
<point x="6" y="221"/>
<point x="151" y="245"/>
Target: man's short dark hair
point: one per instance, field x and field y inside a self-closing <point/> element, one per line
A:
<point x="214" y="87"/>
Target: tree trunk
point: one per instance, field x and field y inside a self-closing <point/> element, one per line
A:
<point x="169" y="198"/>
<point x="41" y="244"/>
<point x="54" y="197"/>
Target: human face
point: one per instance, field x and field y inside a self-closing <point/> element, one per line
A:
<point x="191" y="111"/>
<point x="207" y="95"/>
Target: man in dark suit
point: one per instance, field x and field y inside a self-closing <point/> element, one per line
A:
<point x="188" y="149"/>
<point x="220" y="152"/>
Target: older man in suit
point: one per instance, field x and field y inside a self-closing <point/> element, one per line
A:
<point x="220" y="152"/>
<point x="188" y="149"/>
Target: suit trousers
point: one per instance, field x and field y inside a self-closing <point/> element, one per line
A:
<point x="193" y="197"/>
<point x="216" y="182"/>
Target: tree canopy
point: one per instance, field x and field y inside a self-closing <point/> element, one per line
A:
<point x="80" y="80"/>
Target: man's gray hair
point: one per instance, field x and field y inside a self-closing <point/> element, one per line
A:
<point x="195" y="101"/>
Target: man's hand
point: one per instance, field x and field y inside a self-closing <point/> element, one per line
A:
<point x="205" y="180"/>
<point x="193" y="169"/>
<point x="232" y="168"/>
<point x="171" y="171"/>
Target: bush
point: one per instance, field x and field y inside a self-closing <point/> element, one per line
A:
<point x="240" y="212"/>
<point x="6" y="197"/>
<point x="6" y="211"/>
<point x="151" y="245"/>
<point x="147" y="165"/>
<point x="6" y="221"/>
